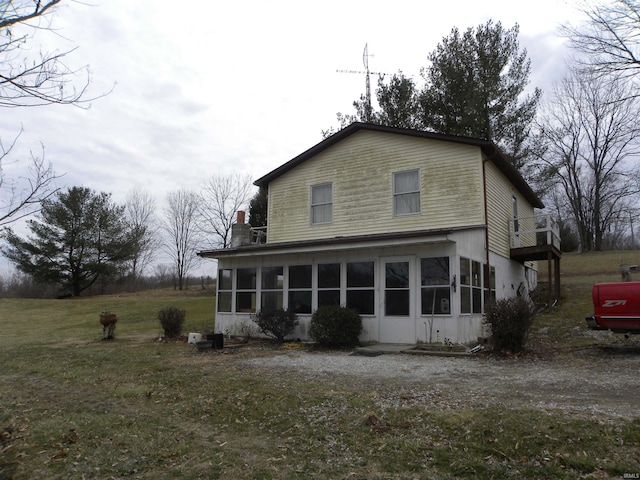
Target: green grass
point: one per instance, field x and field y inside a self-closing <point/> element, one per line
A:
<point x="75" y="407"/>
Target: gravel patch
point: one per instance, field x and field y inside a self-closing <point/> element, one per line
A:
<point x="594" y="382"/>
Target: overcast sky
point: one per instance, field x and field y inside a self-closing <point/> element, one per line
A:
<point x="207" y="87"/>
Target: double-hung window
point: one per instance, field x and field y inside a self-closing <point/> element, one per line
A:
<point x="406" y="192"/>
<point x="322" y="203"/>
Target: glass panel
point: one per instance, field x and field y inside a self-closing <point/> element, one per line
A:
<point x="436" y="301"/>
<point x="321" y="214"/>
<point x="300" y="276"/>
<point x="224" y="302"/>
<point x="477" y="300"/>
<point x="435" y="271"/>
<point x="246" y="279"/>
<point x="328" y="297"/>
<point x="272" y="278"/>
<point x="475" y="274"/>
<point x="406" y="182"/>
<point x="465" y="271"/>
<point x="224" y="279"/>
<point x="362" y="301"/>
<point x="329" y="275"/>
<point x="397" y="275"/>
<point x="270" y="301"/>
<point x="396" y="303"/>
<point x="360" y="274"/>
<point x="246" y="302"/>
<point x="321" y="194"/>
<point x="407" y="203"/>
<point x="300" y="302"/>
<point x="465" y="300"/>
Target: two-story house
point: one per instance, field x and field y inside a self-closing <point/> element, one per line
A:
<point x="415" y="230"/>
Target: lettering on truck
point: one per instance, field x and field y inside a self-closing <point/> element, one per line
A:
<point x="613" y="303"/>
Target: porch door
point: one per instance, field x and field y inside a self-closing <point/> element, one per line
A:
<point x="397" y="319"/>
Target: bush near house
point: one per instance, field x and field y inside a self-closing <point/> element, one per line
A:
<point x="172" y="320"/>
<point x="332" y="325"/>
<point x="276" y="323"/>
<point x="510" y="320"/>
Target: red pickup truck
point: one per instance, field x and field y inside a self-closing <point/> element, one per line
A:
<point x="616" y="307"/>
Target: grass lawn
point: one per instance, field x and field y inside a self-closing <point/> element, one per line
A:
<point x="75" y="407"/>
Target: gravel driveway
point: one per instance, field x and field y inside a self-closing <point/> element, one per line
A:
<point x="602" y="379"/>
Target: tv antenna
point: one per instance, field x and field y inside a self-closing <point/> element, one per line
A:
<point x="365" y="61"/>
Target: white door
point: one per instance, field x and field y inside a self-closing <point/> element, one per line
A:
<point x="397" y="302"/>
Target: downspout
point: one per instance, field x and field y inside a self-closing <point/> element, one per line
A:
<point x="487" y="273"/>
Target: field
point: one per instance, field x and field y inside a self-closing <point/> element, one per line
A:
<point x="75" y="407"/>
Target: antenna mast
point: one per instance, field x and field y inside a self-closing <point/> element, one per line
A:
<point x="365" y="60"/>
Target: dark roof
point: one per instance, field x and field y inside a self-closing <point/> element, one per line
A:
<point x="491" y="151"/>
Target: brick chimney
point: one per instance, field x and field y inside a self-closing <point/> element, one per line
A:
<point x="240" y="232"/>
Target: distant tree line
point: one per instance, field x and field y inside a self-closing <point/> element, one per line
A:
<point x="83" y="242"/>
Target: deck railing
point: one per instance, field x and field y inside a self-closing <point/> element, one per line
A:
<point x="258" y="235"/>
<point x="537" y="230"/>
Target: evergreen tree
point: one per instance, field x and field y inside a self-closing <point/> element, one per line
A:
<point x="474" y="87"/>
<point x="82" y="237"/>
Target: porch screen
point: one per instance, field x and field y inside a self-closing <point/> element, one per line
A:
<point x="300" y="288"/>
<point x="360" y="287"/>
<point x="328" y="284"/>
<point x="271" y="288"/>
<point x="246" y="290"/>
<point x="224" y="289"/>
<point x="470" y="286"/>
<point x="396" y="289"/>
<point x="435" y="286"/>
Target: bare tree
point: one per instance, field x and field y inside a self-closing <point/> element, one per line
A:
<point x="140" y="209"/>
<point x="180" y="225"/>
<point x="25" y="81"/>
<point x="21" y="195"/>
<point x="610" y="37"/>
<point x="222" y="197"/>
<point x="591" y="133"/>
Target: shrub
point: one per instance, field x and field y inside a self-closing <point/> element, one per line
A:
<point x="510" y="320"/>
<point x="332" y="325"/>
<point x="276" y="323"/>
<point x="171" y="319"/>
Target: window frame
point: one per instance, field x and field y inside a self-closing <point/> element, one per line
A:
<point x="437" y="288"/>
<point x="272" y="292"/>
<point x="359" y="289"/>
<point x="242" y="290"/>
<point x="225" y="291"/>
<point x="314" y="207"/>
<point x="303" y="289"/>
<point x="397" y="195"/>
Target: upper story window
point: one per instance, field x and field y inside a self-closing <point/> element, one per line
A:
<point x="406" y="192"/>
<point x="321" y="203"/>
